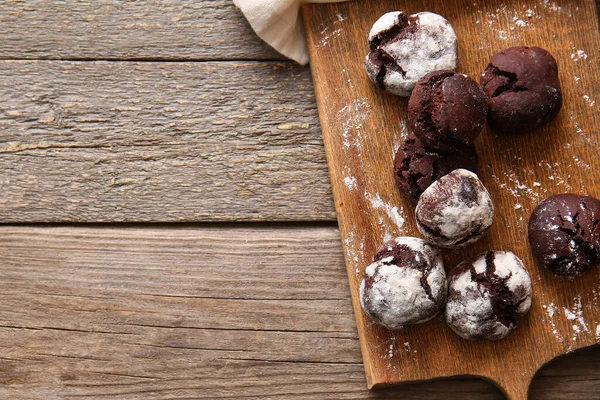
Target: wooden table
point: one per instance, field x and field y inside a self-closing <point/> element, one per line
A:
<point x="168" y="229"/>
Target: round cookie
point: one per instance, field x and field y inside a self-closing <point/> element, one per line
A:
<point x="564" y="233"/>
<point x="447" y="110"/>
<point x="404" y="48"/>
<point x="455" y="210"/>
<point x="487" y="294"/>
<point x="405" y="285"/>
<point x="417" y="167"/>
<point x="523" y="89"/>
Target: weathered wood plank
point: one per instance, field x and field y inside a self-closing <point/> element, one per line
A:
<point x="199" y="312"/>
<point x="144" y="141"/>
<point x="113" y="29"/>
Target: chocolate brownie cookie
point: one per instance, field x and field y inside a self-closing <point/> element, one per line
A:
<point x="405" y="48"/>
<point x="405" y="285"/>
<point x="417" y="167"/>
<point x="564" y="233"/>
<point x="523" y="89"/>
<point x="487" y="294"/>
<point x="455" y="210"/>
<point x="447" y="110"/>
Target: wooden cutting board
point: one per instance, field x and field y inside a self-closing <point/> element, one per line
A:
<point x="363" y="126"/>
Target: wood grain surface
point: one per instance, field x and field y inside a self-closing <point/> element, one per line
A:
<point x="203" y="313"/>
<point x="128" y="30"/>
<point x="362" y="126"/>
<point x="158" y="141"/>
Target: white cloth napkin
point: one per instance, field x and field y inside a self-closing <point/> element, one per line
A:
<point x="278" y="23"/>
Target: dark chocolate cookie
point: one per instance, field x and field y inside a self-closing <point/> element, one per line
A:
<point x="523" y="89"/>
<point x="416" y="167"/>
<point x="447" y="110"/>
<point x="455" y="210"/>
<point x="487" y="294"/>
<point x="564" y="233"/>
<point x="405" y="48"/>
<point x="405" y="285"/>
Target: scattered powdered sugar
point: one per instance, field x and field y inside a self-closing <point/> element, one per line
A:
<point x="578" y="55"/>
<point x="390" y="352"/>
<point x="331" y="31"/>
<point x="407" y="348"/>
<point x="347" y="71"/>
<point x="580" y="163"/>
<point x="387" y="236"/>
<point x="355" y="249"/>
<point x="393" y="212"/>
<point x="496" y="19"/>
<point x="513" y="184"/>
<point x="508" y="21"/>
<point x="350" y="183"/>
<point x="404" y="132"/>
<point x="519" y="22"/>
<point x="395" y="215"/>
<point x="325" y="40"/>
<point x="598" y="332"/>
<point x="353" y="116"/>
<point x="551" y="310"/>
<point x="551" y="6"/>
<point x="576" y="331"/>
<point x="582" y="134"/>
<point x="576" y="315"/>
<point x="518" y="206"/>
<point x="591" y="102"/>
<point x="349" y="242"/>
<point x="570" y="315"/>
<point x="558" y="180"/>
<point x="349" y="179"/>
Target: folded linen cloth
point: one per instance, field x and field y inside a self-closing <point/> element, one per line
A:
<point x="278" y="23"/>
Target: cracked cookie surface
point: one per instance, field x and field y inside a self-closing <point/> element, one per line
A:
<point x="403" y="49"/>
<point x="455" y="210"/>
<point x="564" y="233"/>
<point x="405" y="285"/>
<point x="416" y="167"/>
<point x="487" y="294"/>
<point x="523" y="89"/>
<point x="447" y="110"/>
